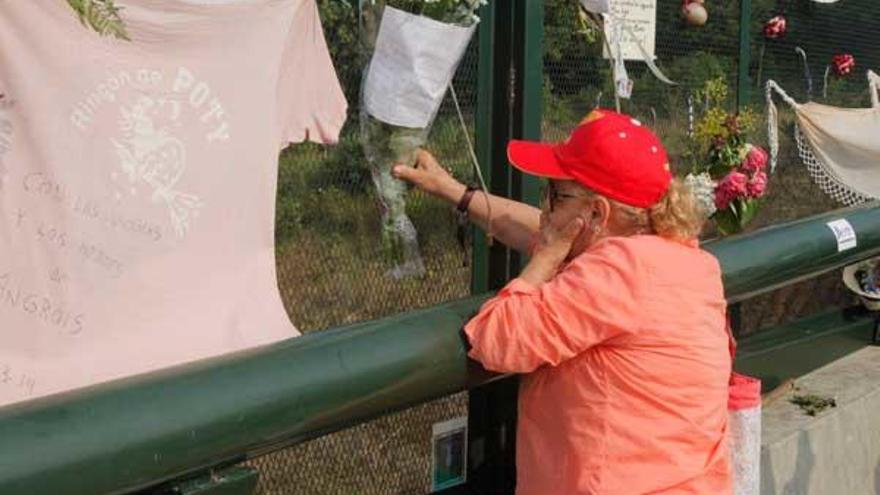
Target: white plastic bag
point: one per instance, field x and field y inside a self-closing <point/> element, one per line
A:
<point x="412" y="62"/>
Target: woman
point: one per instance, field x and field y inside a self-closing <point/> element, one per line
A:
<point x="618" y="319"/>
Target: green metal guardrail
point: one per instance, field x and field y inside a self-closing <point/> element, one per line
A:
<point x="142" y="431"/>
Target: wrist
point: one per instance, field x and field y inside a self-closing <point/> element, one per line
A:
<point x="453" y="192"/>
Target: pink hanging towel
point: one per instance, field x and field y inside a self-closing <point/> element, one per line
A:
<point x="137" y="182"/>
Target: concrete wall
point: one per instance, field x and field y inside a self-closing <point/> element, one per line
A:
<point x="835" y="452"/>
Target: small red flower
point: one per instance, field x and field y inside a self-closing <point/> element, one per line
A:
<point x="775" y="27"/>
<point x="755" y="161"/>
<point x="843" y="64"/>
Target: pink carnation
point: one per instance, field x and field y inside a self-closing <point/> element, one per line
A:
<point x="734" y="185"/>
<point x="756" y="160"/>
<point x="758" y="185"/>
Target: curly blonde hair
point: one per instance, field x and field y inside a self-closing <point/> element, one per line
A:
<point x="676" y="216"/>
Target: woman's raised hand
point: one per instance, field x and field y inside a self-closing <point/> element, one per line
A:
<point x="429" y="176"/>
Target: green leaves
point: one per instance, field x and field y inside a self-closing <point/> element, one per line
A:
<point x="100" y="15"/>
<point x="736" y="216"/>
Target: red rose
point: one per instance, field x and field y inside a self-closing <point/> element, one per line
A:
<point x="843" y="63"/>
<point x="775" y="27"/>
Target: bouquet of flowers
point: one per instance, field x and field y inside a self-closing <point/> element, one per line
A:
<point x="729" y="175"/>
<point x="413" y="49"/>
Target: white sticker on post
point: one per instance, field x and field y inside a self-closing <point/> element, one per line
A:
<point x="449" y="453"/>
<point x="844" y="233"/>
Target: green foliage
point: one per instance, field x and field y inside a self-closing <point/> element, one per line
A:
<point x="308" y="174"/>
<point x="812" y="404"/>
<point x="343" y="167"/>
<point x="737" y="215"/>
<point x="565" y="42"/>
<point x="453" y="11"/>
<point x="101" y="15"/>
<point x="340" y="24"/>
<point x="559" y="113"/>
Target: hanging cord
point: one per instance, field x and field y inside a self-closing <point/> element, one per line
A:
<point x="873" y="84"/>
<point x="773" y="118"/>
<point x="599" y="25"/>
<point x="825" y="82"/>
<point x="800" y="51"/>
<point x="476" y="164"/>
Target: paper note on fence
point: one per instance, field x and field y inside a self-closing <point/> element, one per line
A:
<point x="412" y="65"/>
<point x="639" y="18"/>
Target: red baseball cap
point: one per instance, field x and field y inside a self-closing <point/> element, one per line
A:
<point x="609" y="153"/>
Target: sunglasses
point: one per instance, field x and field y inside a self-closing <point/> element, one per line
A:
<point x="553" y="197"/>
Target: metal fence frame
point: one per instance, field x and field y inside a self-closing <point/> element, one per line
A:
<point x="192" y="432"/>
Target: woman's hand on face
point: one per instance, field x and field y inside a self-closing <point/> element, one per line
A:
<point x="556" y="243"/>
<point x="429" y="176"/>
<point x="553" y="249"/>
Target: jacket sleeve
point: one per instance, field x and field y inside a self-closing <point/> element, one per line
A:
<point x="593" y="299"/>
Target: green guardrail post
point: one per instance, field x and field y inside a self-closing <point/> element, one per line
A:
<point x="528" y="67"/>
<point x="491" y="420"/>
<point x="492" y="129"/>
<point x="745" y="38"/>
<point x="518" y="52"/>
<point x="743" y="89"/>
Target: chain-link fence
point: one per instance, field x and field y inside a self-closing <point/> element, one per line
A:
<point x="332" y="270"/>
<point x="800" y="62"/>
<point x="578" y="78"/>
<point x="331" y="267"/>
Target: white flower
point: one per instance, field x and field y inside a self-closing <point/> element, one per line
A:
<point x="703" y="188"/>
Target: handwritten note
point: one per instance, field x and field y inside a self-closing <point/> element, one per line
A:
<point x="15" y="295"/>
<point x="41" y="185"/>
<point x="412" y="65"/>
<point x="12" y="378"/>
<point x="630" y="23"/>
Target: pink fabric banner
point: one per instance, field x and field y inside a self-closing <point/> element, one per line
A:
<point x="137" y="182"/>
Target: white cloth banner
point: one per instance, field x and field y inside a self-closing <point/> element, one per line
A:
<point x="412" y="65"/>
<point x="138" y="178"/>
<point x="839" y="146"/>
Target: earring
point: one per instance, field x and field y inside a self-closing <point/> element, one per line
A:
<point x="596" y="229"/>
